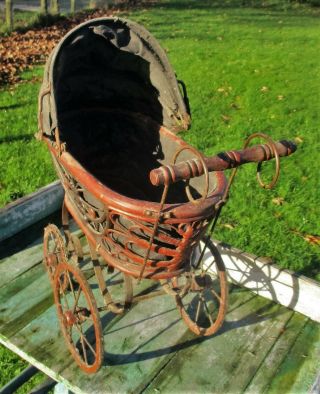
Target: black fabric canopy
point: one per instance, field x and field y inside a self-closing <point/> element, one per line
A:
<point x="112" y="63"/>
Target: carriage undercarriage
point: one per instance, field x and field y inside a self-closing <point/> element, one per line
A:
<point x="74" y="265"/>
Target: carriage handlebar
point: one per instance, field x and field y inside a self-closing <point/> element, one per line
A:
<point x="188" y="169"/>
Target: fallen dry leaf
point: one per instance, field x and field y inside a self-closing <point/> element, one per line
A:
<point x="280" y="97"/>
<point x="298" y="140"/>
<point x="278" y="200"/>
<point x="226" y="118"/>
<point x="21" y="51"/>
<point x="228" y="226"/>
<point x="310" y="238"/>
<point x="264" y="89"/>
<point x="234" y="106"/>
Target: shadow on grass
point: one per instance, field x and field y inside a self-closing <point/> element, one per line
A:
<point x="275" y="6"/>
<point x="209" y="4"/>
<point x="14" y="138"/>
<point x="13" y="106"/>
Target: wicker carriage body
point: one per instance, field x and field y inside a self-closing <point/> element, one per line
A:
<point x="110" y="107"/>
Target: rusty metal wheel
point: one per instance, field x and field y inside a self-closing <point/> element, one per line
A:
<point x="54" y="249"/>
<point x="203" y="292"/>
<point x="78" y="316"/>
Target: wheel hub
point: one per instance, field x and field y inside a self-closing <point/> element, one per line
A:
<point x="70" y="318"/>
<point x="200" y="282"/>
<point x="52" y="260"/>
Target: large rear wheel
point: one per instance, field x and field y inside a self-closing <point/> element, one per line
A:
<point x="202" y="292"/>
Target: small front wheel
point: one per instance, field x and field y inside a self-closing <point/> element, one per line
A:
<point x="78" y="317"/>
<point x="54" y="250"/>
<point x="203" y="302"/>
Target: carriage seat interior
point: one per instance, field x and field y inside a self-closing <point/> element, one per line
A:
<point x="109" y="115"/>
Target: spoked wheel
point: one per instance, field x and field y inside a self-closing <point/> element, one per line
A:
<point x="54" y="249"/>
<point x="202" y="292"/>
<point x="78" y="316"/>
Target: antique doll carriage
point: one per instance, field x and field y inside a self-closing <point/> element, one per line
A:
<point x="109" y="110"/>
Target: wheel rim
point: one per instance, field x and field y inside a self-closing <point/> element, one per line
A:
<point x="78" y="317"/>
<point x="203" y="303"/>
<point x="54" y="250"/>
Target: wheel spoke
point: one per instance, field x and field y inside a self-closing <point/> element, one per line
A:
<point x="85" y="339"/>
<point x="82" y="338"/>
<point x="71" y="285"/>
<point x="208" y="267"/>
<point x="76" y="300"/>
<point x="64" y="294"/>
<point x="216" y="295"/>
<point x="208" y="312"/>
<point x="198" y="310"/>
<point x="89" y="346"/>
<point x="83" y="349"/>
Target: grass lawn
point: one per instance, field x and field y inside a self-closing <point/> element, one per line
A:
<point x="253" y="69"/>
<point x="247" y="69"/>
<point x="25" y="164"/>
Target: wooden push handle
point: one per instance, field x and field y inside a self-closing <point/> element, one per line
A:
<point x="222" y="161"/>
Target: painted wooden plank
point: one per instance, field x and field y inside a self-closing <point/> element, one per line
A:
<point x="21" y="282"/>
<point x="315" y="389"/>
<point x="27" y="210"/>
<point x="20" y="262"/>
<point x="138" y="345"/>
<point x="301" y="366"/>
<point x="270" y="365"/>
<point x="227" y="362"/>
<point x="27" y="237"/>
<point x="17" y="311"/>
<point x="267" y="280"/>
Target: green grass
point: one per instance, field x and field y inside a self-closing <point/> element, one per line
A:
<point x="12" y="365"/>
<point x="226" y="54"/>
<point x="25" y="164"/>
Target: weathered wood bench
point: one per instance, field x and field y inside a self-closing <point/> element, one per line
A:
<point x="264" y="344"/>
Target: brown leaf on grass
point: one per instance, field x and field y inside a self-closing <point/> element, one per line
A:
<point x="277" y="215"/>
<point x="278" y="201"/>
<point x="298" y="140"/>
<point x="310" y="238"/>
<point x="226" y="118"/>
<point x="234" y="106"/>
<point x="280" y="97"/>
